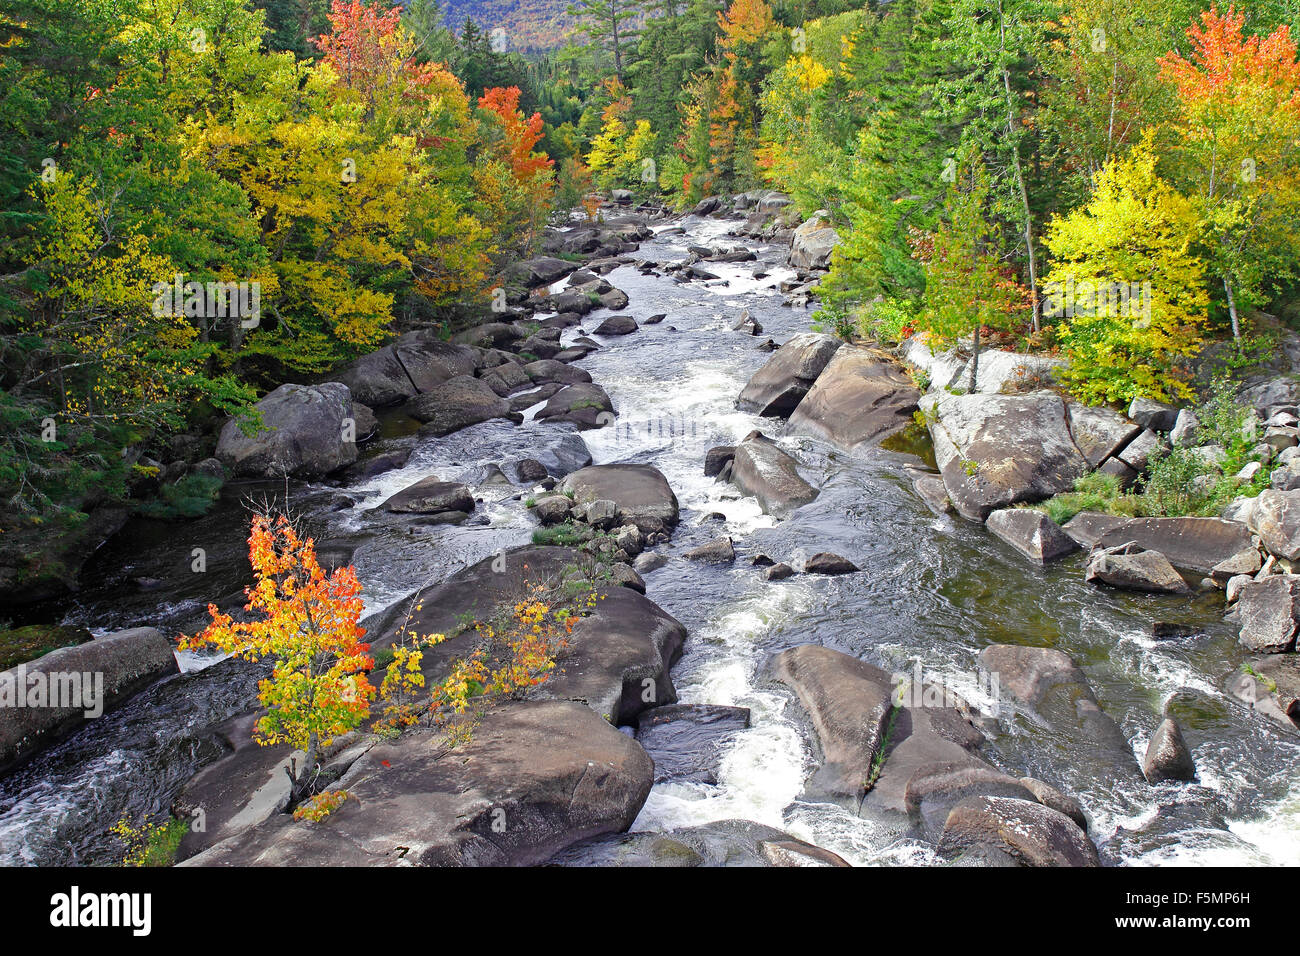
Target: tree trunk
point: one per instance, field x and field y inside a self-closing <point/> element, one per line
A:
<point x="975" y="359"/>
<point x="1232" y="309"/>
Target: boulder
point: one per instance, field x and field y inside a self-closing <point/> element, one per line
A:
<point x="1269" y="611"/>
<point x="783" y="381"/>
<point x="1197" y="544"/>
<point x="861" y="396"/>
<point x="1051" y="684"/>
<point x="41" y="701"/>
<point x="415" y="363"/>
<point x="491" y="334"/>
<point x="1005" y="829"/>
<point x="302" y="434"/>
<point x="686" y="741"/>
<point x="548" y="371"/>
<point x="849" y="703"/>
<point x="584" y="404"/>
<point x="830" y="564"/>
<point x="998" y="450"/>
<point x="719" y="551"/>
<point x="1032" y="533"/>
<point x="761" y="469"/>
<point x="1276" y="519"/>
<point x="1168" y="756"/>
<point x="506" y="378"/>
<point x="1049" y="796"/>
<point x="544" y="270"/>
<point x="431" y="496"/>
<point x="715" y="459"/>
<point x="778" y="572"/>
<point x="1156" y="416"/>
<point x="535" y="778"/>
<point x="1087" y="527"/>
<point x="812" y="244"/>
<point x="934" y="789"/>
<point x="553" y="509"/>
<point x="640" y="493"/>
<point x="1100" y="433"/>
<point x="1137" y="453"/>
<point x="1132" y="569"/>
<point x="617" y="325"/>
<point x="458" y="403"/>
<point x="931" y="490"/>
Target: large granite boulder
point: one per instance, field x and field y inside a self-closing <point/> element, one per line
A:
<point x="1276" y="519"/>
<point x="812" y="244"/>
<point x="458" y="403"/>
<point x="777" y="387"/>
<point x="415" y="363"/>
<point x="719" y="843"/>
<point x="584" y="404"/>
<point x="997" y="450"/>
<point x="760" y="468"/>
<point x="999" y="829"/>
<point x="640" y="493"/>
<point x="1131" y="568"/>
<point x="1270" y="613"/>
<point x="431" y="496"/>
<point x="861" y="396"/>
<point x="1032" y="533"/>
<point x="307" y="431"/>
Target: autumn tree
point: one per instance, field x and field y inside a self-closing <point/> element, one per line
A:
<point x="306" y="622"/>
<point x="1237" y="132"/>
<point x="1128" y="285"/>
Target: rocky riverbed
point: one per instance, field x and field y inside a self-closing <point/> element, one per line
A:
<point x="811" y="650"/>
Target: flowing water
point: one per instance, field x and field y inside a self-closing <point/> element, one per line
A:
<point x="933" y="592"/>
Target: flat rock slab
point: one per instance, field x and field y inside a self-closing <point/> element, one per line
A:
<point x="430" y="496"/>
<point x="686" y="741"/>
<point x="641" y="494"/>
<point x="1197" y="544"/>
<point x="761" y="469"/>
<point x="535" y="778"/>
<point x="779" y="386"/>
<point x="862" y="396"/>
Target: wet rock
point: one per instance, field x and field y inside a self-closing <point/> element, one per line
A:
<point x="849" y="703"/>
<point x="377" y="465"/>
<point x="687" y="741"/>
<point x="1270" y="613"/>
<point x="586" y="405"/>
<point x="760" y="468"/>
<point x="506" y="378"/>
<point x="655" y="319"/>
<point x="530" y="469"/>
<point x="544" y="270"/>
<point x="617" y="325"/>
<point x="778" y="387"/>
<point x="492" y="334"/>
<point x="719" y="551"/>
<point x="828" y="563"/>
<point x="1168" y="756"/>
<point x="94" y="677"/>
<point x="1156" y="416"/>
<point x="778" y="572"/>
<point x="1049" y="796"/>
<point x="861" y="396"/>
<point x="1278" y="677"/>
<point x="1132" y="569"/>
<point x="650" y="561"/>
<point x="546" y="371"/>
<point x="1197" y="544"/>
<point x="565" y="453"/>
<point x="554" y="772"/>
<point x="727" y="843"/>
<point x="1025" y="832"/>
<point x="997" y="450"/>
<point x="716" y="458"/>
<point x="431" y="496"/>
<point x="934" y="789"/>
<point x="931" y="490"/>
<point x="458" y="403"/>
<point x="302" y="435"/>
<point x="624" y="576"/>
<point x="1050" y="683"/>
<point x="640" y="493"/>
<point x="1032" y="533"/>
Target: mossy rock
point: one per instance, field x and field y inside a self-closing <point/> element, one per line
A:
<point x="22" y="644"/>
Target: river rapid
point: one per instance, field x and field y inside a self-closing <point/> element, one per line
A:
<point x="933" y="592"/>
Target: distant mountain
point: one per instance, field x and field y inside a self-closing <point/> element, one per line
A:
<point x="528" y="26"/>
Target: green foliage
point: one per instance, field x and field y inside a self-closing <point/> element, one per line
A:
<point x="151" y="844"/>
<point x="189" y="497"/>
